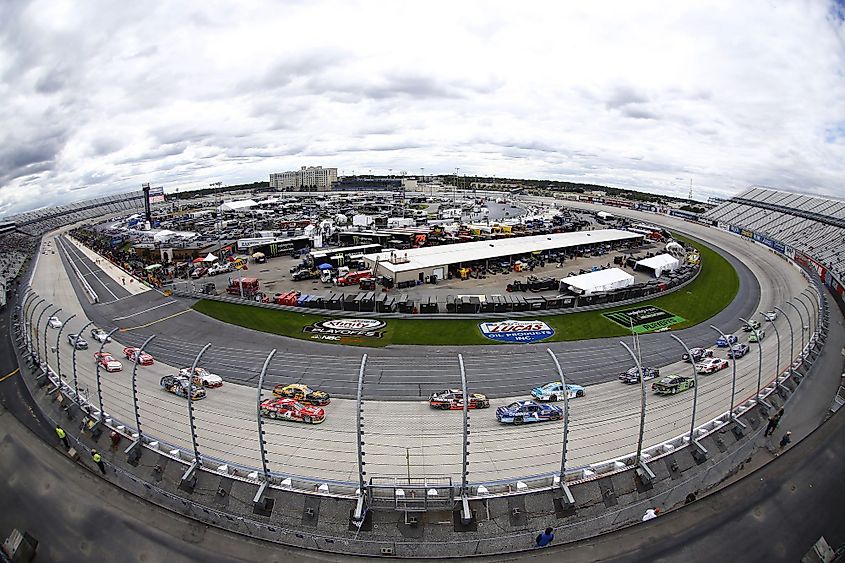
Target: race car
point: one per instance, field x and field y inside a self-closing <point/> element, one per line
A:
<point x="453" y="399"/>
<point x="54" y="322"/>
<point x="528" y="411"/>
<point x="100" y="335"/>
<point x="144" y="359"/>
<point x="302" y="393"/>
<point x="738" y="351"/>
<point x="673" y="384"/>
<point x="750" y="325"/>
<point x="107" y="362"/>
<point x="698" y="354"/>
<point x="178" y="385"/>
<point x="770" y="316"/>
<point x="289" y="409"/>
<point x="203" y="377"/>
<point x="723" y="342"/>
<point x="77" y="341"/>
<point x="554" y="391"/>
<point x="758" y="334"/>
<point x="633" y="375"/>
<point x="711" y="365"/>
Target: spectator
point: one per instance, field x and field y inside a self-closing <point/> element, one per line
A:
<point x="545" y="538"/>
<point x="774" y="420"/>
<point x="650" y="514"/>
<point x="60" y="432"/>
<point x="787" y="438"/>
<point x="98" y="459"/>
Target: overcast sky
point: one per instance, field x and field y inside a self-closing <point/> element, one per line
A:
<point x="98" y="97"/>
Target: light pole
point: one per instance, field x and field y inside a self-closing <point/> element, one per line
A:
<point x="777" y="358"/>
<point x="791" y="338"/>
<point x="693" y="442"/>
<point x="800" y="318"/>
<point x="733" y="381"/>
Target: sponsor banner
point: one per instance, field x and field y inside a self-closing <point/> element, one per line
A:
<point x="517" y="332"/>
<point x="336" y="329"/>
<point x="770" y="242"/>
<point x="246" y="243"/>
<point x="157" y="194"/>
<point x="644" y="319"/>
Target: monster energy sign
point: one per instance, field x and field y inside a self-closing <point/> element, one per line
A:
<point x="644" y="319"/>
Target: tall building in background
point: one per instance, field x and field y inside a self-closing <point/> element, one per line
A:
<point x="307" y="178"/>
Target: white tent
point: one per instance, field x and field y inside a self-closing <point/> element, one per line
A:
<point x="660" y="263"/>
<point x="600" y="280"/>
<point x="241" y="205"/>
<point x="210" y="258"/>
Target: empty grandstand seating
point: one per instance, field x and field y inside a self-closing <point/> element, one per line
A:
<point x="812" y="225"/>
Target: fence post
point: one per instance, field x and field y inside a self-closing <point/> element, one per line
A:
<point x="33" y="332"/>
<point x="133" y="452"/>
<point x="361" y="506"/>
<point x="800" y="318"/>
<point x="777" y="357"/>
<point x="694" y="444"/>
<point x="37" y="340"/>
<point x="568" y="500"/>
<point x="466" y="513"/>
<point x="763" y="404"/>
<point x="643" y="471"/>
<point x="257" y="499"/>
<point x="731" y="416"/>
<point x="58" y="348"/>
<point x="791" y="339"/>
<point x="75" y="345"/>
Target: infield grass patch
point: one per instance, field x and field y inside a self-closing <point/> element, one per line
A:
<point x="714" y="288"/>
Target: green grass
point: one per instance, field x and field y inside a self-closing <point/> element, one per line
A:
<point x="713" y="289"/>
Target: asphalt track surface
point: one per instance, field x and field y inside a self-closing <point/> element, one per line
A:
<point x="405" y="436"/>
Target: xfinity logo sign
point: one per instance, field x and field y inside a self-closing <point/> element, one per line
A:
<point x="334" y="329"/>
<point x="519" y="332"/>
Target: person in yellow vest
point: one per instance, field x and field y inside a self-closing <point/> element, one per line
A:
<point x="98" y="459"/>
<point x="60" y="432"/>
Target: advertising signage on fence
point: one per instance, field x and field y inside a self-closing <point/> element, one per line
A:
<point x="337" y="329"/>
<point x="516" y="332"/>
<point x="771" y="243"/>
<point x="644" y="319"/>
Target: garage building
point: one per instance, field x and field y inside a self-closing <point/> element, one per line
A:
<point x="417" y="264"/>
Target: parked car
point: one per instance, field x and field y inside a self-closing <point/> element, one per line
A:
<point x="673" y="384"/>
<point x="54" y="322"/>
<point x="528" y="411"/>
<point x="633" y="375"/>
<point x="179" y="385"/>
<point x="711" y="365"/>
<point x="698" y="354"/>
<point x="203" y="377"/>
<point x="750" y="325"/>
<point x="554" y="391"/>
<point x="100" y="335"/>
<point x="453" y="399"/>
<point x="738" y="351"/>
<point x="289" y="409"/>
<point x="144" y="359"/>
<point x="77" y="341"/>
<point x="107" y="362"/>
<point x="758" y="334"/>
<point x="199" y="272"/>
<point x="723" y="342"/>
<point x="302" y="393"/>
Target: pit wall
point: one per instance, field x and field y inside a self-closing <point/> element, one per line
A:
<point x="507" y="516"/>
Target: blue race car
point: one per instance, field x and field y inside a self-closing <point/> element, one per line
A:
<point x="554" y="391"/>
<point x="721" y="342"/>
<point x="527" y="411"/>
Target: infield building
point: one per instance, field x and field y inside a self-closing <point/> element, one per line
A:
<point x="419" y="264"/>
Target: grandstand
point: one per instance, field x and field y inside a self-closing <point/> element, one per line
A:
<point x="20" y="234"/>
<point x="808" y="228"/>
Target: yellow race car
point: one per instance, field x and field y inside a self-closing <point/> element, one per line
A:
<point x="302" y="393"/>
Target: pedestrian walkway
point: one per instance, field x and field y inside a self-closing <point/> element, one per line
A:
<point x="119" y="276"/>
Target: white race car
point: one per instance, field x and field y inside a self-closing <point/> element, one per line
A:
<point x="203" y="377"/>
<point x="100" y="335"/>
<point x="711" y="365"/>
<point x="54" y="322"/>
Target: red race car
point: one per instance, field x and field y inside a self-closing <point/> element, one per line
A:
<point x="288" y="409"/>
<point x="107" y="362"/>
<point x="144" y="359"/>
<point x="453" y="399"/>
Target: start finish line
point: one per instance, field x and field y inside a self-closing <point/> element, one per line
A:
<point x="644" y="319"/>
